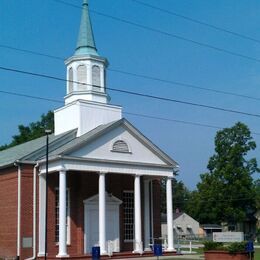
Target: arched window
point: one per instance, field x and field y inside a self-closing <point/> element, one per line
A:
<point x="96" y="81"/>
<point x="82" y="77"/>
<point x="70" y="80"/>
<point x="120" y="146"/>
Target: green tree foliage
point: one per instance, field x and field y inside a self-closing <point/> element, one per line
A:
<point x="33" y="131"/>
<point x="257" y="189"/>
<point x="180" y="195"/>
<point x="227" y="193"/>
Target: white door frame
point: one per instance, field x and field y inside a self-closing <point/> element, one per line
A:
<point x="92" y="203"/>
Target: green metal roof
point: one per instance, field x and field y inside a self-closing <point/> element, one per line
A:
<point x="63" y="144"/>
<point x="30" y="151"/>
<point x="86" y="42"/>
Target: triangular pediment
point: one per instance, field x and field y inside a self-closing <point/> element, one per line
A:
<point x="110" y="199"/>
<point x="121" y="143"/>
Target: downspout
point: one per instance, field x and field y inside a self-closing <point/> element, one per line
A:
<point x="18" y="209"/>
<point x="34" y="210"/>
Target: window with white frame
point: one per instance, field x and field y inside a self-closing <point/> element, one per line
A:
<point x="128" y="208"/>
<point x="57" y="215"/>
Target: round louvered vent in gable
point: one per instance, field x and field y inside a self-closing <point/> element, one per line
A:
<point x="120" y="146"/>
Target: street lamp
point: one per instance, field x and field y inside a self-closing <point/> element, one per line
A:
<point x="47" y="133"/>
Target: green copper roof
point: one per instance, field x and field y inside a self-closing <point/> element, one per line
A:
<point x="86" y="43"/>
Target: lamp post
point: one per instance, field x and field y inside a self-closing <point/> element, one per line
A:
<point x="47" y="133"/>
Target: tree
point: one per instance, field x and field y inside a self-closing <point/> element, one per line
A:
<point x="257" y="188"/>
<point x="33" y="131"/>
<point x="226" y="193"/>
<point x="180" y="195"/>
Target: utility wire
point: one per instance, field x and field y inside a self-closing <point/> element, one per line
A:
<point x="138" y="75"/>
<point x="30" y="52"/>
<point x="217" y="200"/>
<point x="182" y="84"/>
<point x="179" y="37"/>
<point x="125" y="112"/>
<point x="240" y="35"/>
<point x="134" y="93"/>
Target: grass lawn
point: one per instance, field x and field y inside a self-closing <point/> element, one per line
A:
<point x="257" y="254"/>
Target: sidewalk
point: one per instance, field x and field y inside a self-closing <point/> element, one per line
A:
<point x="177" y="257"/>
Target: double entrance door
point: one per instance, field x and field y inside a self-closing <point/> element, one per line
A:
<point x="91" y="219"/>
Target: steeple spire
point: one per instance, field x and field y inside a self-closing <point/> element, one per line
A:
<point x="86" y="42"/>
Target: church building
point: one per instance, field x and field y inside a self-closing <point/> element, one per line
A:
<point x="99" y="175"/>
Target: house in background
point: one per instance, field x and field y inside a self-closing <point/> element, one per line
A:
<point x="208" y="230"/>
<point x="103" y="185"/>
<point x="184" y="226"/>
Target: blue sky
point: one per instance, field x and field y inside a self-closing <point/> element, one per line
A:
<point x="50" y="27"/>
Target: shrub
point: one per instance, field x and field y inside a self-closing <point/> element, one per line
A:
<point x="211" y="245"/>
<point x="237" y="247"/>
<point x="232" y="248"/>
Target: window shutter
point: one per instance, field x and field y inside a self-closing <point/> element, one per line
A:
<point x="82" y="77"/>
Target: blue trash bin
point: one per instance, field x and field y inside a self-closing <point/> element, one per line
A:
<point x="157" y="250"/>
<point x="95" y="252"/>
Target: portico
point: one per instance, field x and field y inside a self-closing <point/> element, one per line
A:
<point x="102" y="211"/>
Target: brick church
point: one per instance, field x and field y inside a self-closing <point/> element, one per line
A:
<point x="103" y="184"/>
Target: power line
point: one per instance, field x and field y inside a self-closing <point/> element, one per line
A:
<point x="183" y="84"/>
<point x="201" y="44"/>
<point x="125" y="112"/>
<point x="30" y="96"/>
<point x="240" y="35"/>
<point x="135" y="93"/>
<point x="31" y="52"/>
<point x="132" y="74"/>
<point x="218" y="200"/>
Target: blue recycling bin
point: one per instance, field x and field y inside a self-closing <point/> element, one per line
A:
<point x="250" y="246"/>
<point x="95" y="252"/>
<point x="157" y="250"/>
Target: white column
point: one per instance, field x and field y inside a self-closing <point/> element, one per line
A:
<point x="138" y="225"/>
<point x="102" y="214"/>
<point x="42" y="206"/>
<point x="147" y="217"/>
<point x="169" y="214"/>
<point x="62" y="215"/>
<point x="89" y="76"/>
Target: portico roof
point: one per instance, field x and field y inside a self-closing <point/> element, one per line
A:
<point x="65" y="144"/>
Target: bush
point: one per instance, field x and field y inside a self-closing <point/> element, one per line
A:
<point x="211" y="245"/>
<point x="237" y="247"/>
<point x="258" y="235"/>
<point x="232" y="248"/>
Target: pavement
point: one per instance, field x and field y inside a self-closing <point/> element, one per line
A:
<point x="175" y="257"/>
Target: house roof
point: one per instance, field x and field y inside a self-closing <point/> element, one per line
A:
<point x="65" y="143"/>
<point x="25" y="151"/>
<point x="211" y="226"/>
<point x="174" y="216"/>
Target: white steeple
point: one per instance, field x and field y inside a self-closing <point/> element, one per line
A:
<point x="86" y="69"/>
<point x="86" y="100"/>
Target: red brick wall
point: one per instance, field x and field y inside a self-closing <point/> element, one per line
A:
<point x="26" y="208"/>
<point x="8" y="211"/>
